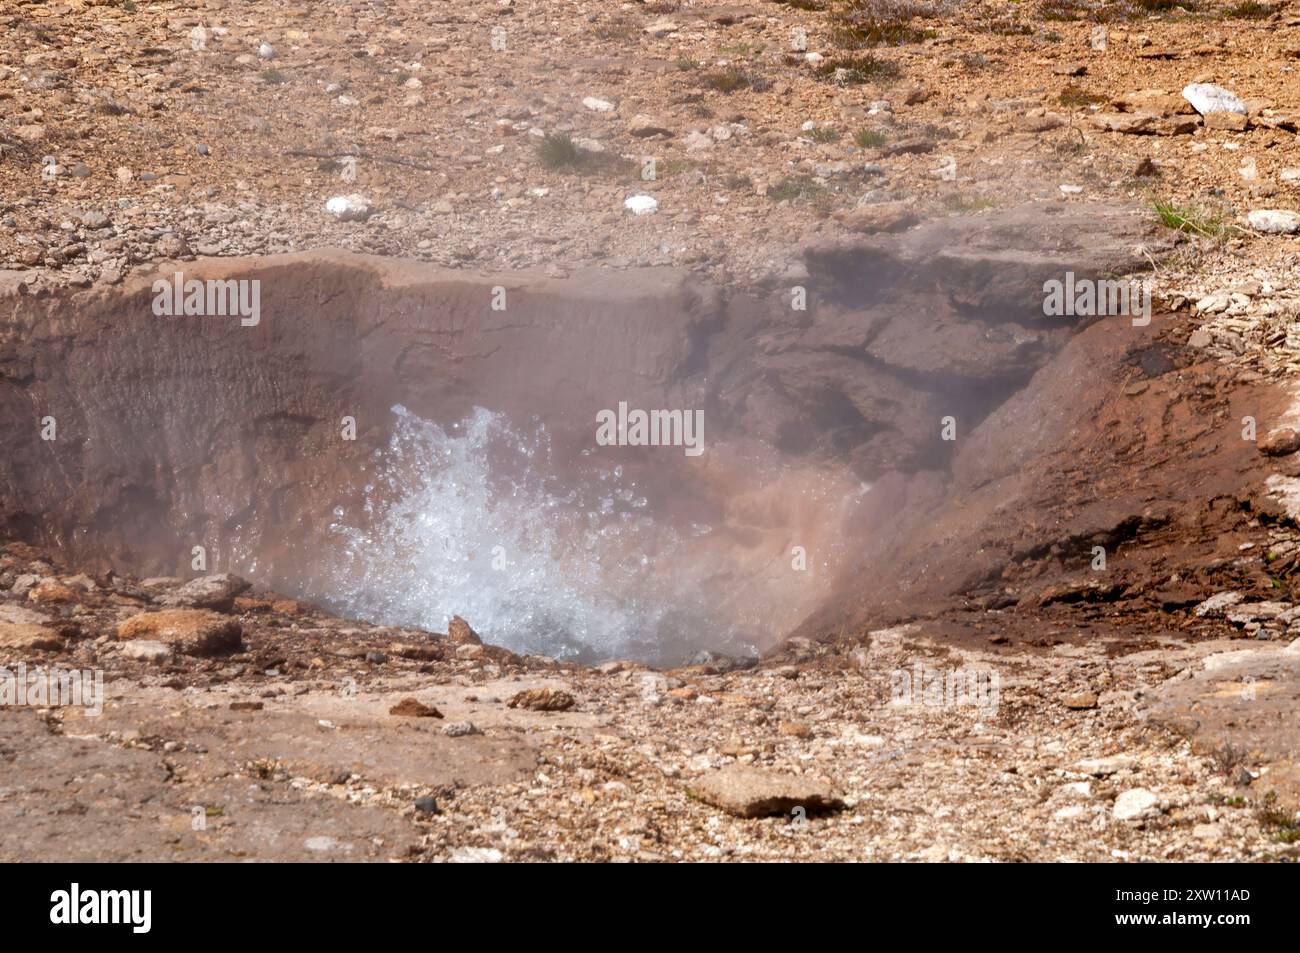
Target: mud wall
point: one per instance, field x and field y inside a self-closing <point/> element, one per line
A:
<point x="172" y="430"/>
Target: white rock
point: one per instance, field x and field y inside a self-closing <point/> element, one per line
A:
<point x="813" y="59"/>
<point x="1074" y="791"/>
<point x="1274" y="221"/>
<point x="1071" y="189"/>
<point x="662" y="27"/>
<point x="697" y="141"/>
<point x="642" y="204"/>
<point x="1098" y="39"/>
<point x="146" y="651"/>
<point x="323" y="843"/>
<point x="1213" y="304"/>
<point x="1217" y="604"/>
<point x="1104" y="767"/>
<point x="1135" y="803"/>
<point x="475" y="855"/>
<point x="598" y="105"/>
<point x="266" y="51"/>
<point x="1208" y="98"/>
<point x="198" y="38"/>
<point x="1255" y="611"/>
<point x="349" y="208"/>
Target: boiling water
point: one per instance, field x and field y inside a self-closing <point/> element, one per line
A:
<point x="567" y="555"/>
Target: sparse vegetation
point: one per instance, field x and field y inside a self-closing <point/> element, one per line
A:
<point x="1097" y="11"/>
<point x="823" y="134"/>
<point x="1003" y="26"/>
<point x="272" y="76"/>
<point x="859" y="24"/>
<point x="1282" y="826"/>
<point x="1193" y="221"/>
<point x="731" y="79"/>
<point x="557" y="151"/>
<point x="870" y="138"/>
<point x="855" y="70"/>
<point x="796" y="188"/>
<point x="1250" y="10"/>
<point x="961" y="204"/>
<point x="1076" y="97"/>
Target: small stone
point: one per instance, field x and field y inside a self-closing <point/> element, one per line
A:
<point x="427" y="805"/>
<point x="28" y="637"/>
<point x="598" y="105"/>
<point x="191" y="631"/>
<point x="1080" y="701"/>
<point x="542" y="699"/>
<point x="1135" y="804"/>
<point x="459" y="632"/>
<point x="51" y="591"/>
<point x="1280" y="443"/>
<point x="266" y="51"/>
<point x="413" y="708"/>
<point x="696" y="141"/>
<point x="1104" y="767"/>
<point x="642" y="204"/>
<point x="350" y="208"/>
<point x="1207" y="98"/>
<point x="1217" y="605"/>
<point x="662" y="27"/>
<point x="171" y="246"/>
<point x="755" y="792"/>
<point x="879" y="217"/>
<point x="1227" y="121"/>
<point x="1274" y="221"/>
<point x="645" y="127"/>
<point x="794" y="729"/>
<point x="217" y="592"/>
<point x="247" y="706"/>
<point x="461" y="729"/>
<point x="1145" y="124"/>
<point x="147" y="650"/>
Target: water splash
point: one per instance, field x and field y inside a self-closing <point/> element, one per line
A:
<point x="477" y="521"/>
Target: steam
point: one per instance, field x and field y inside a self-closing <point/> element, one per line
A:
<point x="476" y="522"/>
